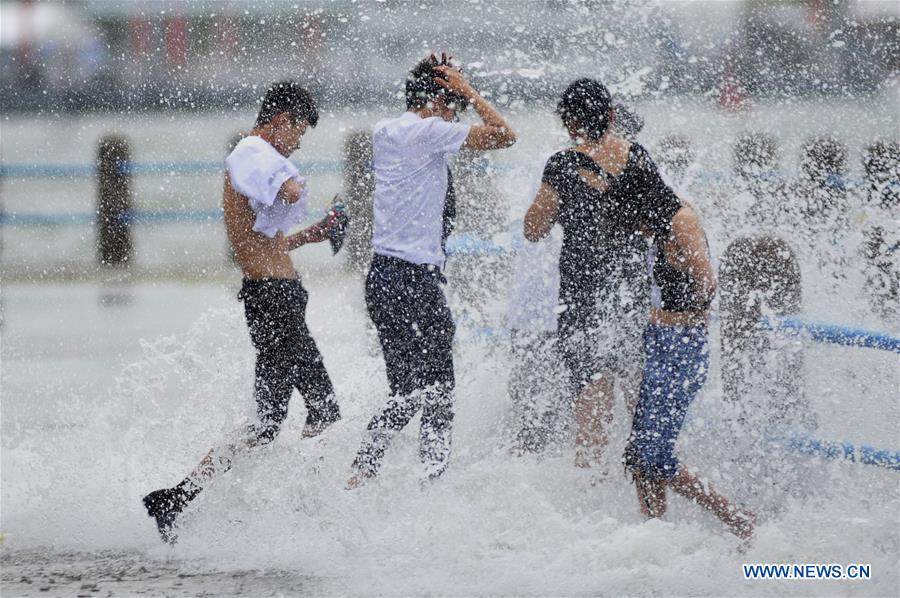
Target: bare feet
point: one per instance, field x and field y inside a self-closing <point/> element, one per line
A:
<point x="742" y="524"/>
<point x="356" y="481"/>
<point x="587" y="457"/>
<point x="312" y="430"/>
<point x="651" y="495"/>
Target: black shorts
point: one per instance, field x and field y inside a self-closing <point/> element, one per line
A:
<point x="602" y="337"/>
<point x="415" y="327"/>
<point x="286" y="354"/>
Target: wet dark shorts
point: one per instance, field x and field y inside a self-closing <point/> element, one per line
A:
<point x="592" y="343"/>
<point x="286" y="354"/>
<point x="415" y="327"/>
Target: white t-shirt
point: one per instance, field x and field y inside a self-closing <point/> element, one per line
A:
<point x="410" y="165"/>
<point x="257" y="171"/>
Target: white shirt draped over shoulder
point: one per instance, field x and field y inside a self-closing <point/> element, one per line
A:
<point x="410" y="166"/>
<point x="257" y="171"/>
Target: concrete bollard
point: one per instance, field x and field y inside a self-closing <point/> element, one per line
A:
<point x="479" y="281"/>
<point x="359" y="190"/>
<point x="881" y="164"/>
<point x="675" y="156"/>
<point x="480" y="207"/>
<point x="756" y="165"/>
<point x="822" y="184"/>
<point x="114" y="202"/>
<point x="753" y="154"/>
<point x="757" y="273"/>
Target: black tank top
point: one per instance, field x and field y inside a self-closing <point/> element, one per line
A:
<point x="672" y="289"/>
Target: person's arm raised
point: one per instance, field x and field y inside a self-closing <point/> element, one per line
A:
<point x="495" y="133"/>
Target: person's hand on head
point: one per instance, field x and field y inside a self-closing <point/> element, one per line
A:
<point x="446" y="59"/>
<point x="452" y="80"/>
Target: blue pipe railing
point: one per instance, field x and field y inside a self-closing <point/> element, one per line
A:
<point x="47" y="171"/>
<point x="467" y="244"/>
<point x="24" y="170"/>
<point x="832" y="333"/>
<point x="822" y="333"/>
<point x="45" y="219"/>
<point x="807" y="444"/>
<point x="89" y="218"/>
<point x="133" y="217"/>
<point x="190" y="167"/>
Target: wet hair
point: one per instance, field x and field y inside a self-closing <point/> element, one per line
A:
<point x="585" y="105"/>
<point x="421" y="88"/>
<point x="288" y="96"/>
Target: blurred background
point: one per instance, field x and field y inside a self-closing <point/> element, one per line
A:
<point x="177" y="80"/>
<point x="202" y="54"/>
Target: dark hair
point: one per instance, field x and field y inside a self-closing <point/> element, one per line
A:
<point x="421" y="87"/>
<point x="585" y="104"/>
<point x="288" y="96"/>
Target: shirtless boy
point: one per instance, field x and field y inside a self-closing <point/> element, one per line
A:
<point x="265" y="196"/>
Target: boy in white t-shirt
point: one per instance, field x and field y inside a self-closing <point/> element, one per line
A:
<point x="265" y="197"/>
<point x="414" y="206"/>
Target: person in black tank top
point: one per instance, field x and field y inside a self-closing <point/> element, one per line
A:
<point x="603" y="192"/>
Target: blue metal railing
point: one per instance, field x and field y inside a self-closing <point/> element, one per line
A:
<point x="835" y="334"/>
<point x="468" y="244"/>
<point x="806" y="444"/>
<point x="17" y="170"/>
<point x="89" y="218"/>
<point x="832" y="333"/>
<point x="191" y="167"/>
<point x="24" y="170"/>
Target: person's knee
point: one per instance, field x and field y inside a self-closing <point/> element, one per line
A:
<point x="441" y="419"/>
<point x="437" y="370"/>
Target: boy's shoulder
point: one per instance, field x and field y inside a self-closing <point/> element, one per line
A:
<point x="249" y="146"/>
